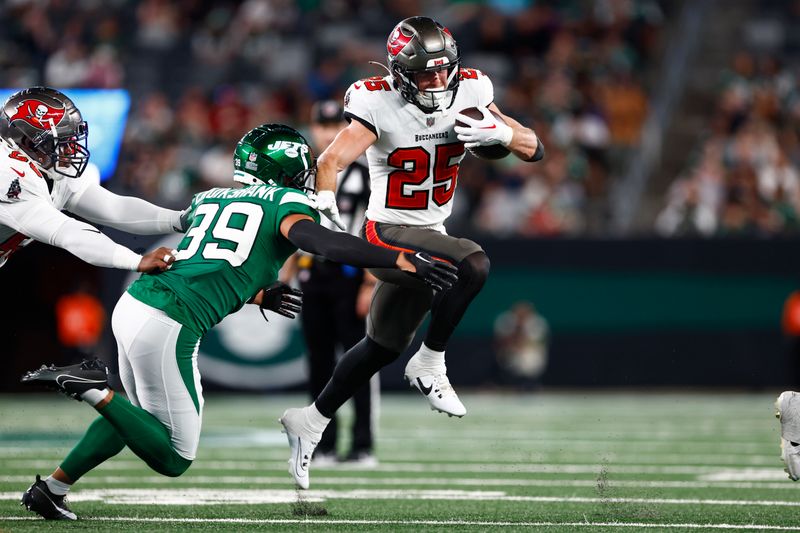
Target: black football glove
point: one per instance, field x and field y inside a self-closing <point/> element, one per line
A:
<point x="282" y="299"/>
<point x="185" y="220"/>
<point x="438" y="274"/>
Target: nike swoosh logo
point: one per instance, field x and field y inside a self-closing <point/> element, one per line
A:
<point x="493" y="126"/>
<point x="418" y="256"/>
<point x="92" y="230"/>
<point x="63" y="379"/>
<point x="20" y="174"/>
<point x="63" y="512"/>
<point x="300" y="467"/>
<point x="425" y="390"/>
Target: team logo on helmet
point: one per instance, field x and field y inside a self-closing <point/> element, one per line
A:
<point x="397" y="41"/>
<point x="290" y="148"/>
<point x="37" y="114"/>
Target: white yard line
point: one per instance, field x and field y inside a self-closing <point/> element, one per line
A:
<point x="477" y="482"/>
<point x="747" y="473"/>
<point x="267" y="521"/>
<point x="215" y="496"/>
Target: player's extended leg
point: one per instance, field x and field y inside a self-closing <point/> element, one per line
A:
<point x="426" y="370"/>
<point x="350" y="330"/>
<point x="158" y="364"/>
<point x="403" y="308"/>
<point x="158" y="368"/>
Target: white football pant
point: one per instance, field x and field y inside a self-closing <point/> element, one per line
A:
<point x="153" y="350"/>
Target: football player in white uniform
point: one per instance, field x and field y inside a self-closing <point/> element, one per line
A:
<point x="43" y="155"/>
<point x="406" y="123"/>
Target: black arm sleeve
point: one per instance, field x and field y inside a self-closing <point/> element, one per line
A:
<point x="339" y="246"/>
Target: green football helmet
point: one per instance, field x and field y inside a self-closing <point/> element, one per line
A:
<point x="274" y="154"/>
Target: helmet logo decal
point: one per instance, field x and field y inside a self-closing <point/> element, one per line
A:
<point x="397" y="41"/>
<point x="38" y="114"/>
<point x="290" y="148"/>
<point x="438" y="62"/>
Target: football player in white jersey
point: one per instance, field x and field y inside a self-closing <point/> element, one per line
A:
<point x="406" y="123"/>
<point x="43" y="156"/>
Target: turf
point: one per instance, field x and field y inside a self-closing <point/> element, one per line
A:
<point x="551" y="462"/>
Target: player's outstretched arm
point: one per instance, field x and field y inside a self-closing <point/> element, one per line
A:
<point x="307" y="235"/>
<point x="126" y="213"/>
<point x="350" y="143"/>
<point x="89" y="243"/>
<point x="41" y="221"/>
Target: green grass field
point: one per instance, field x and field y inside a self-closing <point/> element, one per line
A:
<point x="552" y="462"/>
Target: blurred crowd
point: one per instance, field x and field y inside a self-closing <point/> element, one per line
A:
<point x="201" y="74"/>
<point x="745" y="178"/>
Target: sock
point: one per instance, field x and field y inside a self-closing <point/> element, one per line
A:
<point x="317" y="422"/>
<point x="57" y="487"/>
<point x="145" y="435"/>
<point x="94" y="396"/>
<point x="100" y="443"/>
<point x="429" y="359"/>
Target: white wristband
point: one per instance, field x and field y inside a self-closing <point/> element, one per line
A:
<point x="505" y="134"/>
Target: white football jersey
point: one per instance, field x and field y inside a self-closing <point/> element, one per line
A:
<point x="24" y="197"/>
<point x="413" y="165"/>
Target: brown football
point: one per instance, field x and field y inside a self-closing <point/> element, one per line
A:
<point x="493" y="151"/>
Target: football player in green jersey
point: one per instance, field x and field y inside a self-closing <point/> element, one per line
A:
<point x="236" y="243"/>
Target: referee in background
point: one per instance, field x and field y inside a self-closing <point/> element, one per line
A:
<point x="336" y="298"/>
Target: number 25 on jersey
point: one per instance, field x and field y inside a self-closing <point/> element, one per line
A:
<point x="413" y="166"/>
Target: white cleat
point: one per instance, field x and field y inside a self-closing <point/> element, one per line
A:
<point x="788" y="412"/>
<point x="434" y="385"/>
<point x="302" y="447"/>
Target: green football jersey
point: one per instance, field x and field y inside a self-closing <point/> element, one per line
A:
<point x="232" y="249"/>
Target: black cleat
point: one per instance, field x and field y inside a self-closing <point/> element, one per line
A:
<point x="71" y="380"/>
<point x="49" y="506"/>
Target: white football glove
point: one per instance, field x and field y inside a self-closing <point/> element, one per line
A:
<point x="483" y="132"/>
<point x="326" y="204"/>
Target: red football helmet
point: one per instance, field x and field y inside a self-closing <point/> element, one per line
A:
<point x="420" y="44"/>
<point x="45" y="124"/>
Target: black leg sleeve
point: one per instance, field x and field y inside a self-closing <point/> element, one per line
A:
<point x="353" y="371"/>
<point x="349" y="331"/>
<point x="449" y="306"/>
